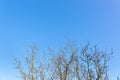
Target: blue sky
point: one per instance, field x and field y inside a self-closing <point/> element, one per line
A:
<point x="49" y="22"/>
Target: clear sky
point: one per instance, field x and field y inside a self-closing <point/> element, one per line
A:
<point x="48" y="22"/>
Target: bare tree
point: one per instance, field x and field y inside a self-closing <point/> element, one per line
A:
<point x="62" y="63"/>
<point x="30" y="67"/>
<point x="94" y="63"/>
<point x="86" y="63"/>
<point x="70" y="62"/>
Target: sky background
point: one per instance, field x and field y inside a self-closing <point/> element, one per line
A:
<point x="49" y="22"/>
